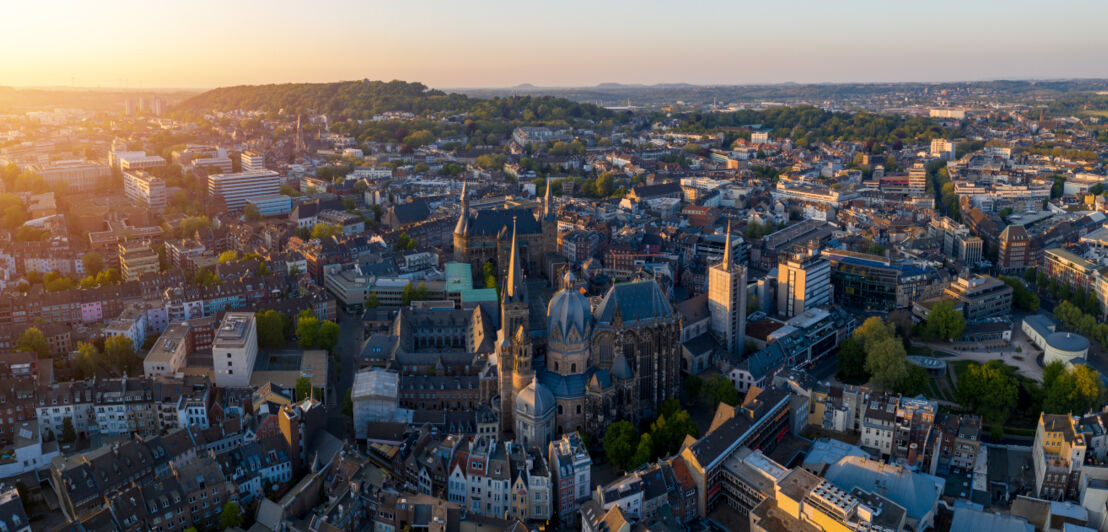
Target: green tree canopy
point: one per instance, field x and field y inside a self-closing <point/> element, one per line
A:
<point x="307" y="330"/>
<point x="944" y="322"/>
<point x="328" y="335"/>
<point x="621" y="440"/>
<point x="990" y="391"/>
<point x="92" y="262"/>
<point x="230" y="517"/>
<point x="271" y="329"/>
<point x="34" y="341"/>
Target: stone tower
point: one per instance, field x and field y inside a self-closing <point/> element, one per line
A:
<point x="461" y="229"/>
<point x="549" y="224"/>
<point x="727" y="300"/>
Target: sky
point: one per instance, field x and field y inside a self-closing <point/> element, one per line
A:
<point x="497" y="43"/>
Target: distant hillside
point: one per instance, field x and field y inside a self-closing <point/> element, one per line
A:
<point x="364" y="99"/>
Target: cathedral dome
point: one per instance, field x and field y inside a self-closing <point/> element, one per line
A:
<point x="535" y="401"/>
<point x="568" y="311"/>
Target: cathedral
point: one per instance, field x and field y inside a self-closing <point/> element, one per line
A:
<point x="617" y="361"/>
<point x="483" y="236"/>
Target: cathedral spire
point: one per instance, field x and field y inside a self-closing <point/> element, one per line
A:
<point x="515" y="273"/>
<point x="727" y="249"/>
<point x="548" y="209"/>
<point x="463" y="219"/>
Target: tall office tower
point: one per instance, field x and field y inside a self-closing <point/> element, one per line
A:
<point x="252" y="161"/>
<point x="235" y="189"/>
<point x="803" y="281"/>
<point x="727" y="300"/>
<point x="917" y="179"/>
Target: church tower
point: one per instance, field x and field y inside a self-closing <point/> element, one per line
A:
<point x="549" y="223"/>
<point x="727" y="300"/>
<point x="514" y="311"/>
<point x="513" y="344"/>
<point x="462" y="229"/>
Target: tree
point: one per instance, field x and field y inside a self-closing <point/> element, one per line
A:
<point x="92" y="262"/>
<point x="719" y="389"/>
<point x="68" y="432"/>
<point x="1022" y="297"/>
<point x="943" y="322"/>
<point x="271" y="329"/>
<point x="322" y="230"/>
<point x="1077" y="390"/>
<point x="231" y="516"/>
<point x="620" y="442"/>
<point x="348" y="404"/>
<point x="307" y="330"/>
<point x="120" y="351"/>
<point x="34" y="341"/>
<point x="644" y="452"/>
<point x="886" y="361"/>
<point x="88" y="360"/>
<point x="228" y="256"/>
<point x="252" y="213"/>
<point x="372" y="301"/>
<point x="989" y="390"/>
<point x="303" y="388"/>
<point x="852" y="360"/>
<point x="914" y="383"/>
<point x="328" y="335"/>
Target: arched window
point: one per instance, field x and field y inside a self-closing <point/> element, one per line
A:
<point x="578" y="410"/>
<point x="573" y="368"/>
<point x="559" y="410"/>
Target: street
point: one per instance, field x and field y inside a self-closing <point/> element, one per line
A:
<point x="341" y="376"/>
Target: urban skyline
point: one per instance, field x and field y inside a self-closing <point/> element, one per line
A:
<point x="502" y="44"/>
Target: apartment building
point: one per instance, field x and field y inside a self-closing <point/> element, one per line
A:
<point x="1057" y="454"/>
<point x="234" y="349"/>
<point x="234" y="189"/>
<point x="136" y="259"/>
<point x="145" y="189"/>
<point x="571" y="469"/>
<point x="1067" y="267"/>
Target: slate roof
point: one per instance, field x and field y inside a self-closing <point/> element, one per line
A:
<point x="408" y="213"/>
<point x="490" y="222"/>
<point x="636" y="301"/>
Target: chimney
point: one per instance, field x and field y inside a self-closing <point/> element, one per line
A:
<point x="913" y="454"/>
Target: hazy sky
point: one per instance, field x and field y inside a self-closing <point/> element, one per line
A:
<point x="476" y="43"/>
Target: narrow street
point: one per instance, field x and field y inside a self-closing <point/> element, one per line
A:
<point x="341" y="376"/>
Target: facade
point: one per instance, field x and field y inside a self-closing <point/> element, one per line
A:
<point x="917" y="179"/>
<point x="234" y="349"/>
<point x="136" y="259"/>
<point x="272" y="205"/>
<point x="252" y="161"/>
<point x="145" y="189"/>
<point x="1067" y="267"/>
<point x="1057" y="454"/>
<point x="76" y="176"/>
<point x="1014" y="254"/>
<point x="727" y="301"/>
<point x="570" y="470"/>
<point x="803" y="282"/>
<point x="235" y="189"/>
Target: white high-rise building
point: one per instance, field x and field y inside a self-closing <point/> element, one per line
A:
<point x="727" y="300"/>
<point x="252" y="161"/>
<point x="234" y="349"/>
<point x="235" y="189"/>
<point x="145" y="188"/>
